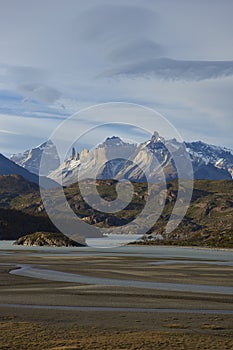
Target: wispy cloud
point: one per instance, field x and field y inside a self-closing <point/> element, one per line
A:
<point x="170" y="69"/>
<point x="39" y="92"/>
<point x="2" y="131"/>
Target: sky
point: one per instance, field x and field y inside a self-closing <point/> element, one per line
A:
<point x="57" y="57"/>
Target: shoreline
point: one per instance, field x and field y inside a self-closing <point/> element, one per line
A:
<point x="26" y="247"/>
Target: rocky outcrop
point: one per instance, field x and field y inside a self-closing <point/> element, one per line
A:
<point x="47" y="239"/>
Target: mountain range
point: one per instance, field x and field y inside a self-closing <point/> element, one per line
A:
<point x="114" y="158"/>
<point x="209" y="217"/>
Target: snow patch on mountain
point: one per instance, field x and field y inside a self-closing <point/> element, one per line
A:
<point x="219" y="157"/>
<point x="31" y="158"/>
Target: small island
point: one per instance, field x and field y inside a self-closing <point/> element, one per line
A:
<point x="51" y="239"/>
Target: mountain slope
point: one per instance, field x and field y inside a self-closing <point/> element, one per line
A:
<point x="11" y="186"/>
<point x="8" y="167"/>
<point x="15" y="224"/>
<point x="31" y="158"/>
<point x="219" y="159"/>
<point x="208" y="222"/>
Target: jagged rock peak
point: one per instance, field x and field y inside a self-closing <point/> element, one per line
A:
<point x="156" y="143"/>
<point x="84" y="153"/>
<point x="157" y="138"/>
<point x="46" y="144"/>
<point x="74" y="154"/>
<point x="112" y="141"/>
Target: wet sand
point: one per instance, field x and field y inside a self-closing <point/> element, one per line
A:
<point x="60" y="329"/>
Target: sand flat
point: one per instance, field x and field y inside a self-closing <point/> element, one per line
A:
<point x="27" y="328"/>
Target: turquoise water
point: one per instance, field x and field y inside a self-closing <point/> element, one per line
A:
<point x="7" y="247"/>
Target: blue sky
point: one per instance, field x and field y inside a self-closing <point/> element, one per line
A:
<point x="60" y="56"/>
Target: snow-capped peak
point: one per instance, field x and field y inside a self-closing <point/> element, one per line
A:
<point x="210" y="154"/>
<point x="31" y="158"/>
<point x="156" y="143"/>
<point x="112" y="142"/>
